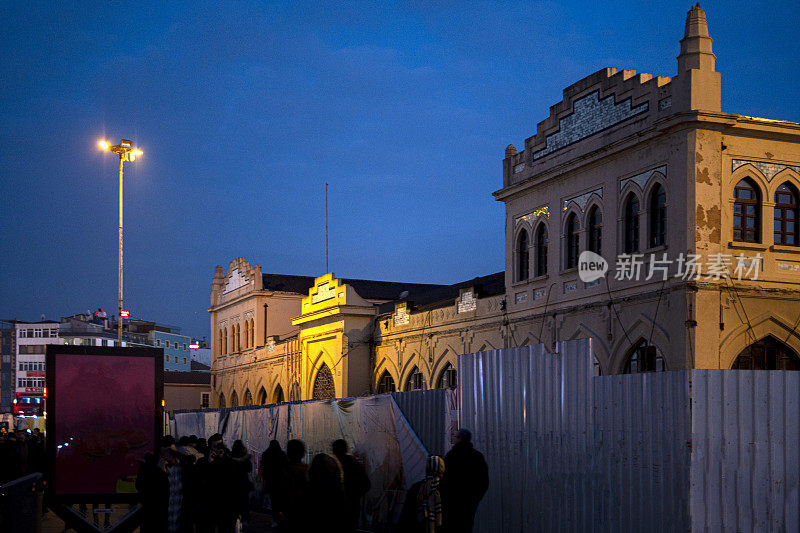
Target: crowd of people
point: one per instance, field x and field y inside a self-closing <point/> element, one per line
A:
<point x="21" y="453"/>
<point x="194" y="485"/>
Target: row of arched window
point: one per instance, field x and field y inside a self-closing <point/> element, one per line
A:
<point x="263" y="399"/>
<point x="747" y="205"/>
<point x="448" y="379"/>
<point x="231" y="341"/>
<point x="657" y="234"/>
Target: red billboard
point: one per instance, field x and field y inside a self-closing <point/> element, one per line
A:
<point x="103" y="416"/>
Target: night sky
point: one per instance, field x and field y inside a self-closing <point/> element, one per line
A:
<point x="245" y="111"/>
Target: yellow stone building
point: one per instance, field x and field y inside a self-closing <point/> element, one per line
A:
<point x="645" y="172"/>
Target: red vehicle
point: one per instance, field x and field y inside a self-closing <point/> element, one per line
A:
<point x="29" y="403"/>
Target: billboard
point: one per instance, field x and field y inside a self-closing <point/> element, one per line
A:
<point x="103" y="415"/>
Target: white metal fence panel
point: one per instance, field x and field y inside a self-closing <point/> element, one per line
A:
<point x="745" y="455"/>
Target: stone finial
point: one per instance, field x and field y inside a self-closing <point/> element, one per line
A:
<point x="696" y="52"/>
<point x="511" y="150"/>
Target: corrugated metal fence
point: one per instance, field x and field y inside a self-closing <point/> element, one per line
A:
<point x="701" y="450"/>
<point x="428" y="412"/>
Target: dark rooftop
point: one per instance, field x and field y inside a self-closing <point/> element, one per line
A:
<point x="187" y="378"/>
<point x="368" y="289"/>
<point x="198" y="366"/>
<point x="443" y="295"/>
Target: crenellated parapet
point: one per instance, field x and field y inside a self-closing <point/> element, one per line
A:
<point x="616" y="103"/>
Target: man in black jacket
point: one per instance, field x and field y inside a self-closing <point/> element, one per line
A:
<point x="466" y="478"/>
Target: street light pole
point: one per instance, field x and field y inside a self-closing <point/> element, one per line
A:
<point x="126" y="152"/>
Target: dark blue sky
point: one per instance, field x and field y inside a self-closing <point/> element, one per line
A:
<point x="245" y="110"/>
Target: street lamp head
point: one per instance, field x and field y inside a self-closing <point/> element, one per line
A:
<point x="126" y="144"/>
<point x="133" y="154"/>
<point x="103" y="144"/>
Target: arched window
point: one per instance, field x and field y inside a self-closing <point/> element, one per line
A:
<point x="767" y="354"/>
<point x="323" y="384"/>
<point x="541" y="250"/>
<point x="658" y="216"/>
<point x="522" y="256"/>
<point x="248" y="397"/>
<point x="449" y="378"/>
<point x="644" y="357"/>
<point x="252" y="333"/>
<point x="631" y="224"/>
<point x="262" y="396"/>
<point x="595" y="222"/>
<point x="416" y="381"/>
<point x="386" y="383"/>
<point x="746" y="212"/>
<point x="220" y="345"/>
<point x="238" y="345"/>
<point x="573" y="248"/>
<point x="225" y="341"/>
<point x="786" y="201"/>
<point x="246" y="333"/>
<point x="221" y="401"/>
<point x="234" y="399"/>
<point x="278" y="396"/>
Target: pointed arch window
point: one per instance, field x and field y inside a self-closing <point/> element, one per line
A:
<point x="262" y="396"/>
<point x="323" y="384"/>
<point x="767" y="354"/>
<point x="658" y="216"/>
<point x="449" y="378"/>
<point x="221" y="401"/>
<point x="246" y="333"/>
<point x="644" y="357"/>
<point x="248" y="397"/>
<point x="220" y="345"/>
<point x="595" y="222"/>
<point x="234" y="399"/>
<point x="786" y="204"/>
<point x="252" y="333"/>
<point x="631" y="224"/>
<point x="573" y="248"/>
<point x="416" y="381"/>
<point x="522" y="256"/>
<point x="386" y="383"/>
<point x="541" y="250"/>
<point x="746" y="212"/>
<point x="225" y="341"/>
<point x="278" y="396"/>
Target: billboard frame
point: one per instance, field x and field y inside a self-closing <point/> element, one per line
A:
<point x="54" y="350"/>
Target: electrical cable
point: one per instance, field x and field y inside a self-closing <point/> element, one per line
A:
<point x="611" y="304"/>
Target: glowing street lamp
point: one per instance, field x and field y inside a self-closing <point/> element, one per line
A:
<point x="127" y="152"/>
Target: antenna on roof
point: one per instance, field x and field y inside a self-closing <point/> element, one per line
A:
<point x="404" y="294"/>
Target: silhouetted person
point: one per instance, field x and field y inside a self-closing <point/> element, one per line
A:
<point x="152" y="486"/>
<point x="422" y="510"/>
<point x="296" y="508"/>
<point x="465" y="480"/>
<point x="242" y="466"/>
<point x="356" y="481"/>
<point x="327" y="495"/>
<point x="273" y="471"/>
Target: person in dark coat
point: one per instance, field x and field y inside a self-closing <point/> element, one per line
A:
<point x="356" y="481"/>
<point x="296" y="509"/>
<point x="326" y="494"/>
<point x="465" y="480"/>
<point x="242" y="466"/>
<point x="273" y="470"/>
<point x="152" y="485"/>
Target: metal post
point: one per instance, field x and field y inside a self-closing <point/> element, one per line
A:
<point x="119" y="314"/>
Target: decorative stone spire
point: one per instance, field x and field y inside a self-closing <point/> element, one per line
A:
<point x="511" y="150"/>
<point x="696" y="50"/>
<point x="697" y="86"/>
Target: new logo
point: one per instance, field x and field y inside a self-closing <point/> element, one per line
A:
<point x="591" y="266"/>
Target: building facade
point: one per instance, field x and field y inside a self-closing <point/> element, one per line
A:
<point x="673" y="196"/>
<point x="177" y="356"/>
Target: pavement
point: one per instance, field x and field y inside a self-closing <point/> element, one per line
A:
<point x="259" y="523"/>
